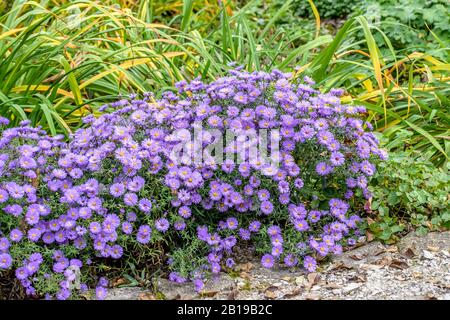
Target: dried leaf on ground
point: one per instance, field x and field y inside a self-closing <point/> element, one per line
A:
<point x="357" y="257"/>
<point x="313" y="278"/>
<point x="293" y="293"/>
<point x="208" y="294"/>
<point x="245" y="275"/>
<point x="232" y="295"/>
<point x="340" y="265"/>
<point x="433" y="248"/>
<point x="147" y="296"/>
<point x="398" y="264"/>
<point x="271" y="292"/>
<point x="119" y="282"/>
<point x="246" y="267"/>
<point x="409" y="253"/>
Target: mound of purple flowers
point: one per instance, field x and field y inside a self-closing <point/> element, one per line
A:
<point x="129" y="179"/>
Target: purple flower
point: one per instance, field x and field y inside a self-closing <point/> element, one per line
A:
<point x="145" y="205"/>
<point x="116" y="251"/>
<point x="5" y="261"/>
<point x="266" y="207"/>
<point x="244" y="234"/>
<point x="144" y="234"/>
<point x="179" y="225"/>
<point x="4" y="244"/>
<point x="337" y="159"/>
<point x="254" y="226"/>
<point x="310" y="264"/>
<point x="322" y="249"/>
<point x="21" y="273"/>
<point x="101" y="293"/>
<point x="117" y="189"/>
<point x="162" y="225"/>
<point x="232" y="223"/>
<point x="230" y="263"/>
<point x="184" y="212"/>
<point x="290" y="260"/>
<point x="323" y="169"/>
<point x="95" y="227"/>
<point x="274" y="231"/>
<point x="16" y="235"/>
<point x="267" y="261"/>
<point x="127" y="227"/>
<point x="301" y="225"/>
<point x="34" y="234"/>
<point x="199" y="285"/>
<point x="263" y="195"/>
<point x="298" y="183"/>
<point x="130" y="199"/>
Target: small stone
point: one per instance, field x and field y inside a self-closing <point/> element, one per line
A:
<point x="336" y="291"/>
<point x="351" y="287"/>
<point x="428" y="255"/>
<point x="300" y="281"/>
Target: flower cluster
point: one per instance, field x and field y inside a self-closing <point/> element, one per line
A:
<point x="121" y="184"/>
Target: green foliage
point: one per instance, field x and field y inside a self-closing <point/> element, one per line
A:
<point x="409" y="192"/>
<point x="328" y="9"/>
<point x="411" y="24"/>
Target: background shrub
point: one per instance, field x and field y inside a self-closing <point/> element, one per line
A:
<point x="409" y="192"/>
<point x="328" y="9"/>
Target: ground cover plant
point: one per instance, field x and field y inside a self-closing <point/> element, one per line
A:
<point x="105" y="104"/>
<point x="120" y="185"/>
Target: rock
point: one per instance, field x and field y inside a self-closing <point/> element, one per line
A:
<point x="428" y="255"/>
<point x="351" y="287"/>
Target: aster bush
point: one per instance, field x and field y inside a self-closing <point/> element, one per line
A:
<point x="162" y="174"/>
<point x="26" y="155"/>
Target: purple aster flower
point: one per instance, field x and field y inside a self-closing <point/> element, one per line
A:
<point x="101" y="293"/>
<point x="179" y="225"/>
<point x="145" y="205"/>
<point x="298" y="183"/>
<point x="127" y="227"/>
<point x="16" y="235"/>
<point x="3" y="196"/>
<point x="130" y="199"/>
<point x="95" y="227"/>
<point x="244" y="234"/>
<point x="230" y="263"/>
<point x="5" y="261"/>
<point x="215" y="268"/>
<point x="337" y="159"/>
<point x="266" y="207"/>
<point x="21" y="273"/>
<point x="4" y="244"/>
<point x="314" y="216"/>
<point x="254" y="226"/>
<point x="162" y="225"/>
<point x="116" y="251"/>
<point x="323" y="169"/>
<point x="322" y="249"/>
<point x="310" y="264"/>
<point x="184" y="212"/>
<point x="199" y="285"/>
<point x="34" y="234"/>
<point x="290" y="260"/>
<point x="232" y="223"/>
<point x="267" y="261"/>
<point x="117" y="189"/>
<point x="301" y="225"/>
<point x="263" y="195"/>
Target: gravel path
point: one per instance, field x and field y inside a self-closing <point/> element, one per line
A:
<point x="414" y="268"/>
